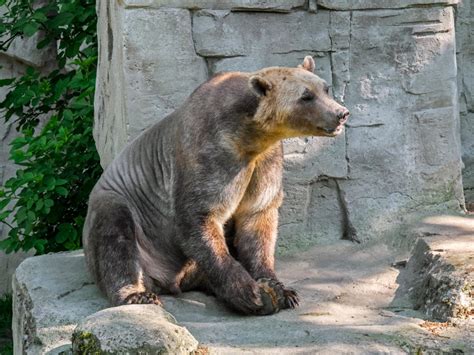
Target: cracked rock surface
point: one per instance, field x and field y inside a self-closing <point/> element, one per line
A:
<point x="439" y="277"/>
<point x="347" y="304"/>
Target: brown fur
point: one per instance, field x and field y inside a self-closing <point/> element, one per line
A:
<point x="193" y="202"/>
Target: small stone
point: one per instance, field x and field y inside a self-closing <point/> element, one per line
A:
<point x="137" y="329"/>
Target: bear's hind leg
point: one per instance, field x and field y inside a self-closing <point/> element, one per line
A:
<point x="111" y="252"/>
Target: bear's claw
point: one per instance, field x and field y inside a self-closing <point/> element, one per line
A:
<point x="291" y="298"/>
<point x="143" y="298"/>
<point x="275" y="296"/>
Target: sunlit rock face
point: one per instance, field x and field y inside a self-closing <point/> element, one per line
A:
<point x="393" y="64"/>
<point x="465" y="60"/>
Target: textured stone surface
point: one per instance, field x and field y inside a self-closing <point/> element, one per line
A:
<point x="380" y="4"/>
<point x="227" y="34"/>
<point x="110" y="120"/>
<point x="156" y="72"/>
<point x="158" y="45"/>
<point x="465" y="57"/>
<point x="51" y="294"/>
<point x="257" y="5"/>
<point x="23" y="49"/>
<point x="346" y="307"/>
<point x="403" y="142"/>
<point x="439" y="278"/>
<point x="137" y="329"/>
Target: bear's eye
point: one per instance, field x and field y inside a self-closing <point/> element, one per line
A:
<point x="326" y="88"/>
<point x="307" y="95"/>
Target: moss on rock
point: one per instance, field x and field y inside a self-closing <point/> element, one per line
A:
<point x="85" y="343"/>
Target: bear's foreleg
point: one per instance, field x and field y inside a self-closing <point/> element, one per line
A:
<point x="226" y="277"/>
<point x="255" y="240"/>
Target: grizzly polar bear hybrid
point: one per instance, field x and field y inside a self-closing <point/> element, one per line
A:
<point x="192" y="203"/>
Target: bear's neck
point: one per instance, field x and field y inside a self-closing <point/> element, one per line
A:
<point x="251" y="143"/>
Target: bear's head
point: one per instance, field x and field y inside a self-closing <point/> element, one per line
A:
<point x="296" y="102"/>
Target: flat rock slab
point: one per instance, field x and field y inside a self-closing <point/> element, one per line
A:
<point x="346" y="291"/>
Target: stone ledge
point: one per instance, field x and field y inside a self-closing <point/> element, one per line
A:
<point x="379" y="4"/>
<point x="283" y="5"/>
<point x="249" y="5"/>
<point x="53" y="294"/>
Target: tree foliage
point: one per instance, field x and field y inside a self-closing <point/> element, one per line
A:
<point x="44" y="205"/>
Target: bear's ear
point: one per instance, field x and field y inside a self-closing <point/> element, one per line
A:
<point x="308" y="64"/>
<point x="259" y="85"/>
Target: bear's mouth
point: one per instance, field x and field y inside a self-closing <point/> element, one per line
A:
<point x="333" y="132"/>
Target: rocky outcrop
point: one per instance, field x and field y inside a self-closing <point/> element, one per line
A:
<point x="54" y="298"/>
<point x="51" y="295"/>
<point x="445" y="288"/>
<point x="347" y="306"/>
<point x="439" y="277"/>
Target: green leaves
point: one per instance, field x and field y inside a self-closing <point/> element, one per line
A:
<point x="44" y="204"/>
<point x="30" y="29"/>
<point x="62" y="19"/>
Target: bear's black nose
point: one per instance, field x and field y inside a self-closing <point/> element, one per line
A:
<point x="343" y="115"/>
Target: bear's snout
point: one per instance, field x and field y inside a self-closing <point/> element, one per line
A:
<point x="338" y="117"/>
<point x="343" y="115"/>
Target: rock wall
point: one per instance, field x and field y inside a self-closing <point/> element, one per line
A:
<point x="465" y="60"/>
<point x="393" y="64"/>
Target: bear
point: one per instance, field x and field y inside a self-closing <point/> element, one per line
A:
<point x="192" y="202"/>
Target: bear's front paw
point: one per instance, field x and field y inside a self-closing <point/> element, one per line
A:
<point x="275" y="296"/>
<point x="245" y="298"/>
<point x="143" y="298"/>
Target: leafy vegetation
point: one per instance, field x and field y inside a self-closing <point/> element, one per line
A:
<point x="44" y="205"/>
<point x="6" y="342"/>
